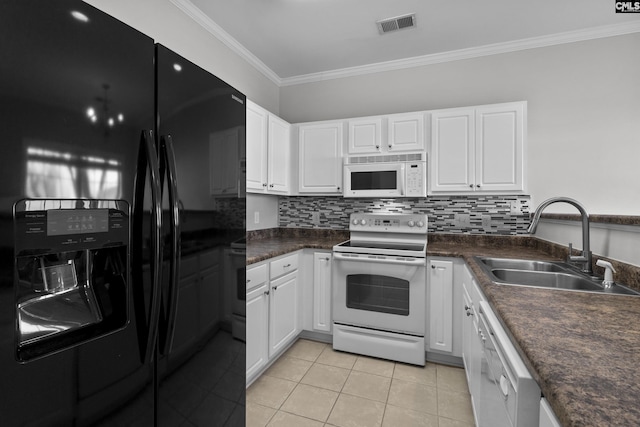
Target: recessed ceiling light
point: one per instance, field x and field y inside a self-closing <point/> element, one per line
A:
<point x="79" y="16"/>
<point x="177" y="67"/>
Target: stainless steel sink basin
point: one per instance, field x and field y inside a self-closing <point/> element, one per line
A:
<point x="545" y="274"/>
<point x="521" y="264"/>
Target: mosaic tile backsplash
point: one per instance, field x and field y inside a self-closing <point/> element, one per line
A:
<point x="508" y="215"/>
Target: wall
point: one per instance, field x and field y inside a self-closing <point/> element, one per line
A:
<point x="169" y="26"/>
<point x="619" y="242"/>
<point x="583" y="108"/>
<point x="266" y="207"/>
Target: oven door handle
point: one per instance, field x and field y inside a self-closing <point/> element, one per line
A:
<point x="380" y="259"/>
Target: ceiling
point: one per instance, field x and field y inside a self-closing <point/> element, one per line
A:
<point x="304" y="40"/>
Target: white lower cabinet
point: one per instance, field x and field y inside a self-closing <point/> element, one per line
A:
<point x="443" y="313"/>
<point x="257" y="319"/>
<point x="322" y="291"/>
<point x="283" y="312"/>
<point x="273" y="311"/>
<point x="440" y="305"/>
<point x="471" y="341"/>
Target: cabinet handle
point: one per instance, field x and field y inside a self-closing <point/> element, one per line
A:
<point x="286" y="266"/>
<point x="270" y="185"/>
<point x="390" y="146"/>
<point x="377" y="147"/>
<point x="264" y="184"/>
<point x="478" y="185"/>
<point x="433" y="266"/>
<point x="275" y="288"/>
<point x="338" y="188"/>
<point x="248" y="280"/>
<point x="327" y="259"/>
<point x="266" y="293"/>
<point x="470" y="185"/>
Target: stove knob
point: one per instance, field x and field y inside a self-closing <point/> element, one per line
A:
<point x="411" y="223"/>
<point x="363" y="221"/>
<point x="420" y="224"/>
<point x="356" y="221"/>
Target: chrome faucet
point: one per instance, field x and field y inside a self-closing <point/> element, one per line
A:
<point x="585" y="258"/>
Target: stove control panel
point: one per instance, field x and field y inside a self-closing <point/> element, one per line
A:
<point x="389" y="222"/>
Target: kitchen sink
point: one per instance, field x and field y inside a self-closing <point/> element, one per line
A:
<point x="521" y="264"/>
<point x="545" y="274"/>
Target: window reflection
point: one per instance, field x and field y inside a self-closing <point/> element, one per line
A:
<point x="59" y="174"/>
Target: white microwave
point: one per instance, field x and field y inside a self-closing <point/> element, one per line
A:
<point x="397" y="175"/>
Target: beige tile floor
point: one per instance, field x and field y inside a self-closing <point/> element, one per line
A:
<point x="313" y="385"/>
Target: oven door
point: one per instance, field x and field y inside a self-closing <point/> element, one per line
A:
<point x="384" y="293"/>
<point x="374" y="180"/>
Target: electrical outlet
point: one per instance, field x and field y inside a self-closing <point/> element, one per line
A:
<point x="315" y="218"/>
<point x="256" y="217"/>
<point x="515" y="207"/>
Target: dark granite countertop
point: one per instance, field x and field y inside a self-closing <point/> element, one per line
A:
<point x="583" y="349"/>
<point x="261" y="246"/>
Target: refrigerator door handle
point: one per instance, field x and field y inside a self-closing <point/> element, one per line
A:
<point x="148" y="161"/>
<point x="169" y="160"/>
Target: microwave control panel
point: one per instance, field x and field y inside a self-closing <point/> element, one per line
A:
<point x="415" y="179"/>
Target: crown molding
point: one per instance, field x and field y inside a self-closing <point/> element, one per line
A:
<point x="475" y="52"/>
<point x="437" y="58"/>
<point x="208" y="24"/>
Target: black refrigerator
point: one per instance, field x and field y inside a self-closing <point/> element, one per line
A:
<point x="121" y="166"/>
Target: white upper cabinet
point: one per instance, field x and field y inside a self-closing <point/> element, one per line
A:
<point x="279" y="155"/>
<point x="405" y="132"/>
<point x="478" y="149"/>
<point x="386" y="134"/>
<point x="500" y="136"/>
<point x="257" y="134"/>
<point x="365" y="135"/>
<point x="268" y="152"/>
<point x="320" y="158"/>
<point x="452" y="150"/>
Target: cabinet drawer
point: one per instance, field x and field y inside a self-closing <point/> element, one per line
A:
<point x="256" y="276"/>
<point x="283" y="266"/>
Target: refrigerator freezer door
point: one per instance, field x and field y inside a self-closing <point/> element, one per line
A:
<point x="74" y="98"/>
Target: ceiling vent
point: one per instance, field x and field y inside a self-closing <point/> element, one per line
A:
<point x="397" y="23"/>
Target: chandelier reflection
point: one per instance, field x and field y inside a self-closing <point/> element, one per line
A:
<point x="104" y="117"/>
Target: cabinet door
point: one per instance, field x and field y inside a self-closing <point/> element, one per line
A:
<point x="279" y="156"/>
<point x="322" y="291"/>
<point x="320" y="158"/>
<point x="365" y="135"/>
<point x="405" y="132"/>
<point x="283" y="312"/>
<point x="257" y="133"/>
<point x="500" y="134"/>
<point x="441" y="305"/>
<point x="452" y="151"/>
<point x="257" y="329"/>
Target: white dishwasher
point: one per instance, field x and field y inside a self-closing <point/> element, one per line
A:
<point x="509" y="395"/>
